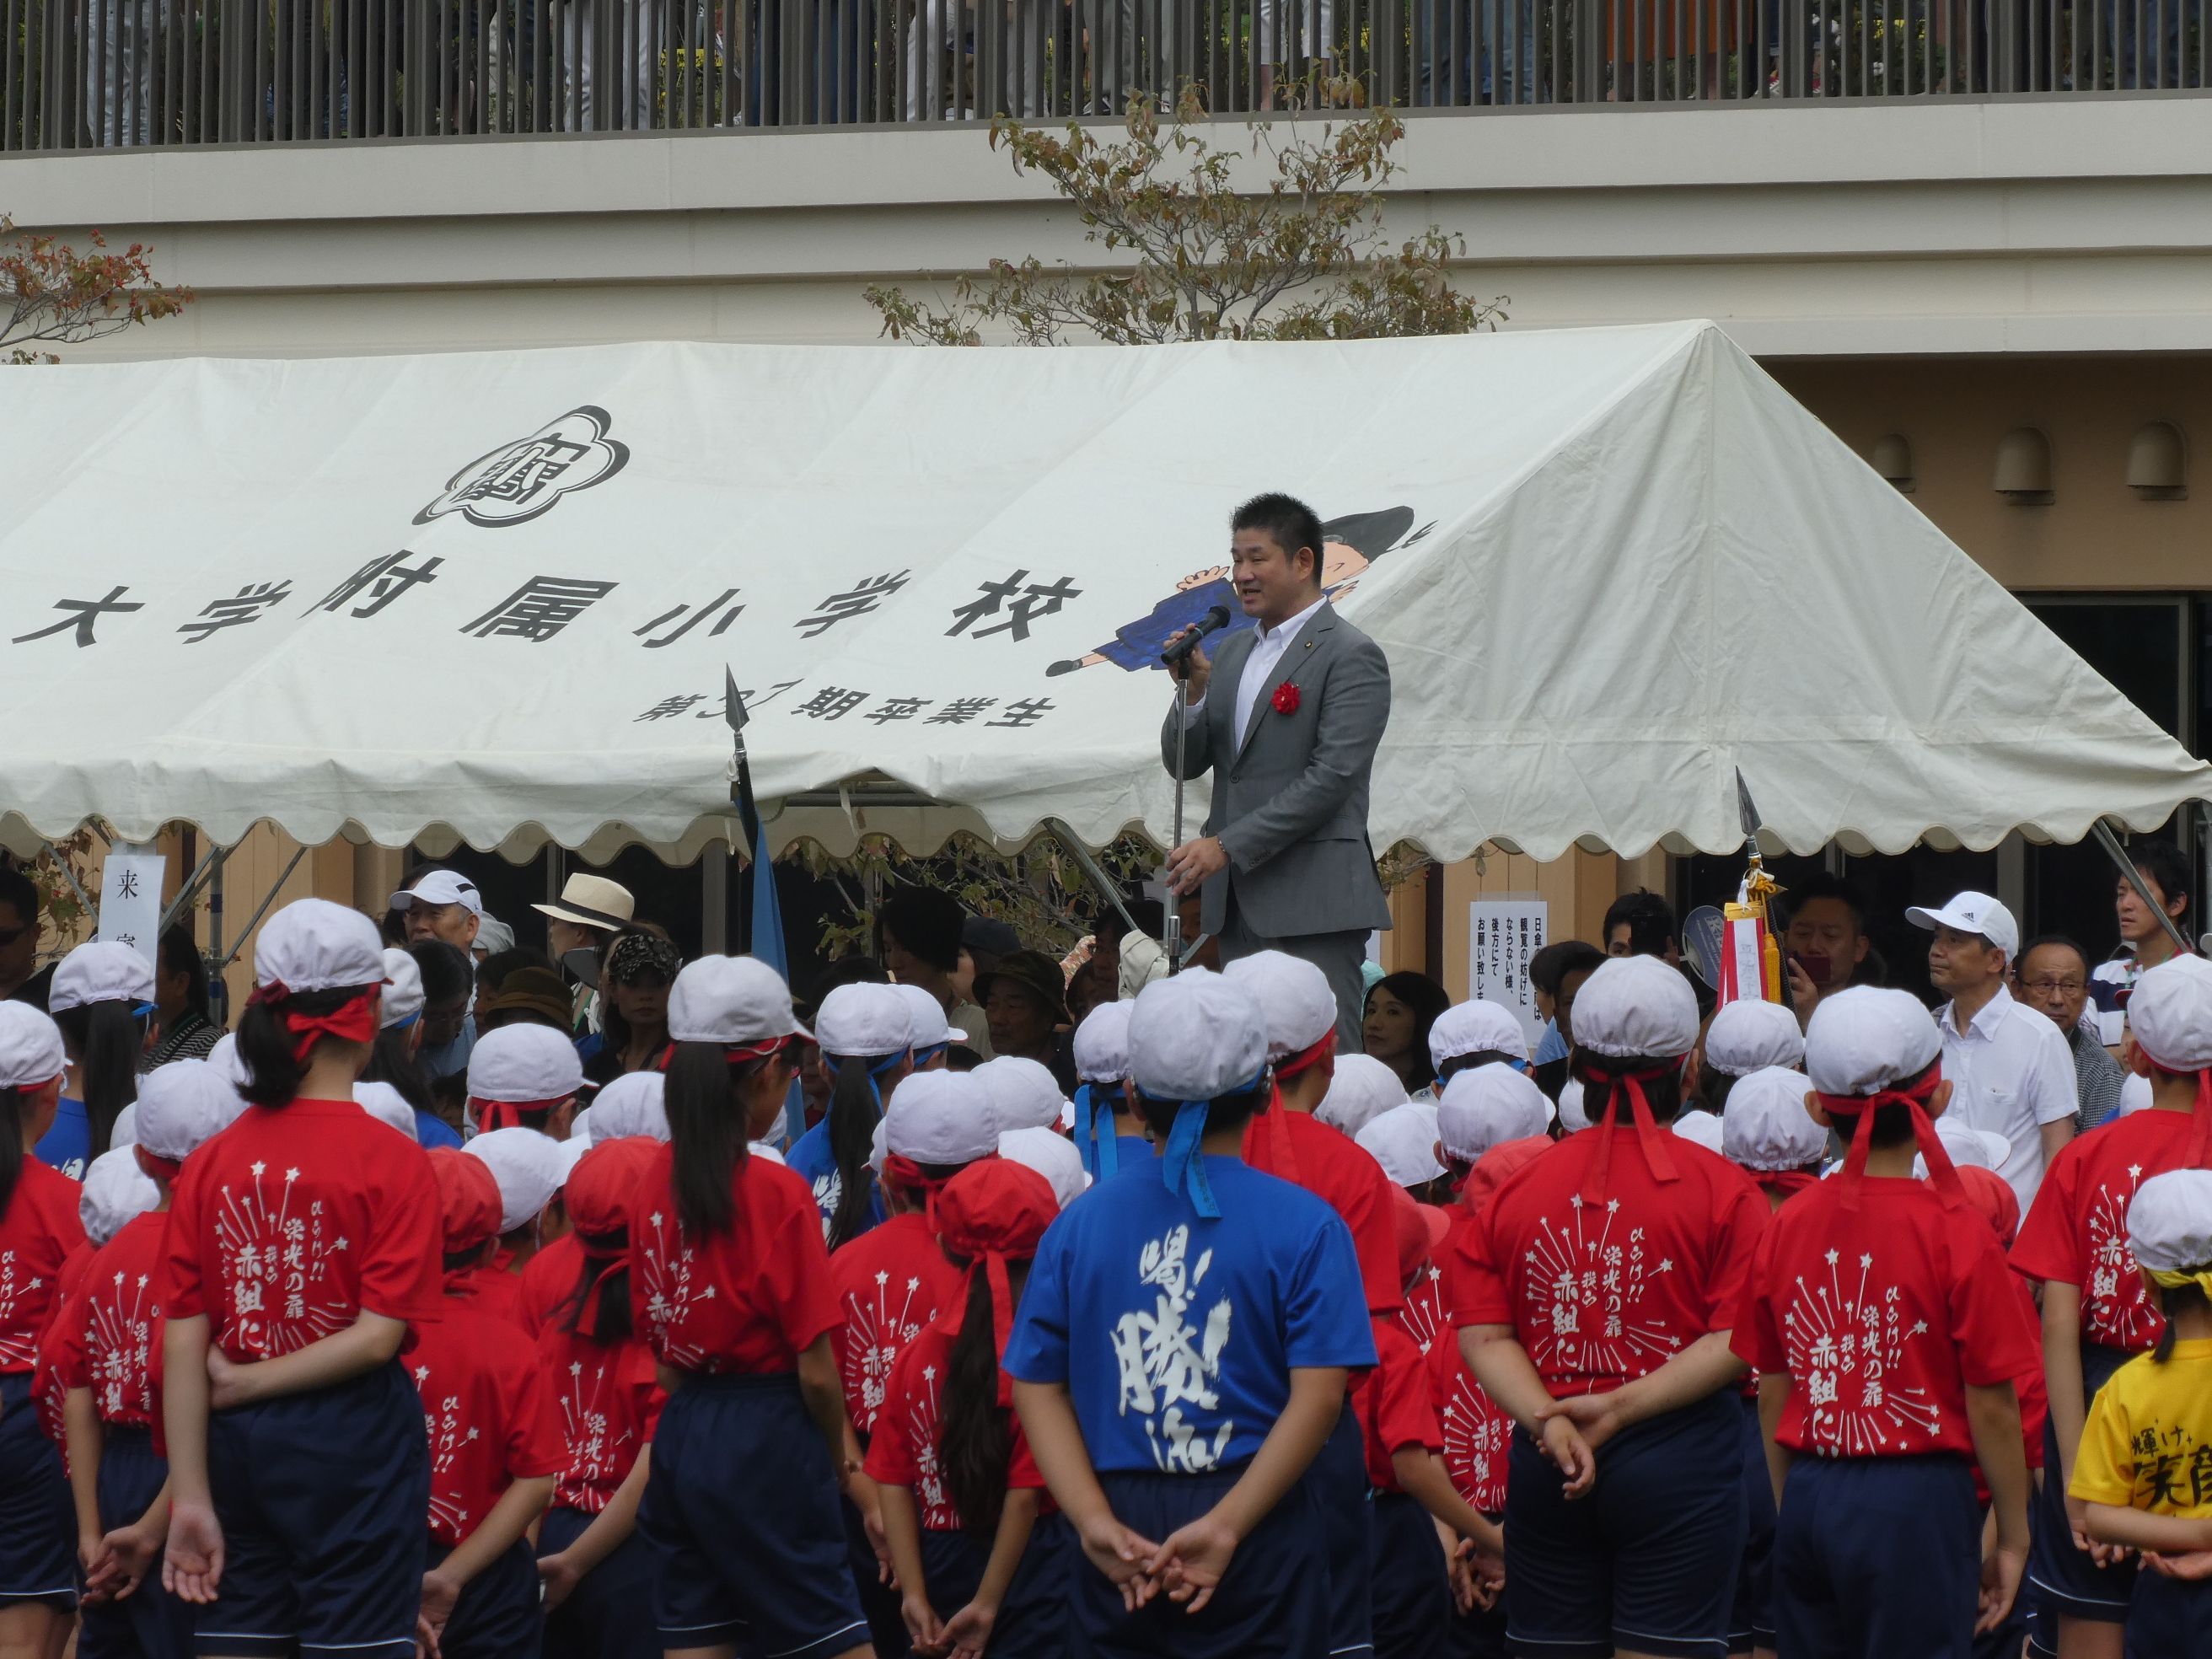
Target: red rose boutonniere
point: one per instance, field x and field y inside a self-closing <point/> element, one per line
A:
<point x="1285" y="699"/>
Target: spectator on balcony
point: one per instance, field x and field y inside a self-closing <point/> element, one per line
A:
<point x="1299" y="37"/>
<point x="119" y="69"/>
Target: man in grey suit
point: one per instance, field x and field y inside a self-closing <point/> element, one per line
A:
<point x="1287" y="720"/>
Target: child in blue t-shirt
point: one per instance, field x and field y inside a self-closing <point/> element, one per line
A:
<point x="1181" y="1353"/>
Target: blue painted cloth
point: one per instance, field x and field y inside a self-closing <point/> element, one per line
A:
<point x="67" y="1146"/>
<point x="810" y="1156"/>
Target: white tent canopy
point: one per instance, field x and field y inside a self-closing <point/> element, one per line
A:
<point x="491" y="597"/>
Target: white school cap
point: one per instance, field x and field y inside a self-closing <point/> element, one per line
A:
<point x="102" y="971"/>
<point x="1053" y="1155"/>
<point x="403" y="989"/>
<point x="1403" y="1140"/>
<point x="941" y="1117"/>
<point x="864" y="1021"/>
<point x="1572" y="1114"/>
<point x="2171" y="1013"/>
<point x="1102" y="1043"/>
<point x="1966" y="913"/>
<point x="524" y="1064"/>
<point x="1476" y="1028"/>
<point x="1195" y="1035"/>
<point x="527" y="1167"/>
<point x="1022" y="1093"/>
<point x="124" y="1130"/>
<point x="312" y="945"/>
<point x="387" y="1106"/>
<point x="2170" y="1221"/>
<point x="224" y="1058"/>
<point x="1292" y="996"/>
<point x="927" y="1027"/>
<point x="1635" y="1007"/>
<point x="440" y="887"/>
<point x="1486" y="1106"/>
<point x="1969" y="1148"/>
<point x="183" y="1105"/>
<point x="879" y="1144"/>
<point x="633" y="1104"/>
<point x="1362" y="1089"/>
<point x="1863" y="1039"/>
<point x="1766" y="1127"/>
<point x="580" y="1132"/>
<point x="116" y="1191"/>
<point x="730" y="1000"/>
<point x="1748" y="1035"/>
<point x="1702" y="1128"/>
<point x="30" y="1051"/>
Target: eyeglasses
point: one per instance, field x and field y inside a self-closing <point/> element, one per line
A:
<point x="2044" y="987"/>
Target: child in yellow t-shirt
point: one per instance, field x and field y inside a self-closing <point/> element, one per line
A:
<point x="2145" y="1467"/>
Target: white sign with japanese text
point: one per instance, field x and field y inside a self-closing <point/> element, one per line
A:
<point x="130" y="900"/>
<point x="1502" y="935"/>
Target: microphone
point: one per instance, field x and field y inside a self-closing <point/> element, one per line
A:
<point x="1212" y="622"/>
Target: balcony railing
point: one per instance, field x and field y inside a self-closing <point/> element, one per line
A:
<point x="89" y="73"/>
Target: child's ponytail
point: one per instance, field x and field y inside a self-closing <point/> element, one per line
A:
<point x="2179" y="1298"/>
<point x="12" y="1104"/>
<point x="854" y="1108"/>
<point x="975" y="1439"/>
<point x="705" y="1100"/>
<point x="107" y="1038"/>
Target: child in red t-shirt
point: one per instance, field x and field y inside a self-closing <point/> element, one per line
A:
<point x="495" y="1448"/>
<point x="301" y="1243"/>
<point x="1886" y="1334"/>
<point x="597" y="1573"/>
<point x="961" y="1495"/>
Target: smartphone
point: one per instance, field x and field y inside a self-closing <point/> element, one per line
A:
<point x="1817" y="967"/>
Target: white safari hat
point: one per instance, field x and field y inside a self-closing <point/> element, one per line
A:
<point x="1487" y="1106"/>
<point x="403" y="989"/>
<point x="633" y="1104"/>
<point x="1476" y="1028"/>
<point x="103" y="971"/>
<point x="864" y="1021"/>
<point x="1052" y="1155"/>
<point x="31" y="1050"/>
<point x="941" y="1117"/>
<point x="440" y="887"/>
<point x="1701" y="1127"/>
<point x="1022" y="1093"/>
<point x="528" y="1167"/>
<point x="1102" y="1043"/>
<point x="1748" y="1035"/>
<point x="927" y="1027"/>
<point x="592" y="902"/>
<point x="1967" y="913"/>
<point x="1766" y="1127"/>
<point x="387" y="1106"/>
<point x="1403" y="1142"/>
<point x="312" y="945"/>
<point x="524" y="1064"/>
<point x="116" y="1192"/>
<point x="183" y="1105"/>
<point x="2171" y="1013"/>
<point x="1635" y="1007"/>
<point x="1865" y="1038"/>
<point x="1363" y="1089"/>
<point x="1195" y="1035"/>
<point x="2170" y="1222"/>
<point x="732" y="1000"/>
<point x="1292" y="996"/>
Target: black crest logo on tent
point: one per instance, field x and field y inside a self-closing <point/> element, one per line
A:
<point x="518" y="482"/>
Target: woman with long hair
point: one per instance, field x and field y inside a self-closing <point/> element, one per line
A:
<point x="302" y="1241"/>
<point x="103" y="993"/>
<point x="1395" y="1030"/>
<point x="730" y="1280"/>
<point x="636" y="973"/>
<point x="39" y="1229"/>
<point x="960" y="1494"/>
<point x="865" y="1034"/>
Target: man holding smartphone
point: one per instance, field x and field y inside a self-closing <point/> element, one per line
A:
<point x="1826" y="945"/>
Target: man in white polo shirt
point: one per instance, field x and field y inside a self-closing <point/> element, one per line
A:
<point x="2009" y="1066"/>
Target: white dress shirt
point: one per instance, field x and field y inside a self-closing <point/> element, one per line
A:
<point x="1268" y="647"/>
<point x="2010" y="1072"/>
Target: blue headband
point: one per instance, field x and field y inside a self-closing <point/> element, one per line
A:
<point x="876" y="1069"/>
<point x="402" y="1024"/>
<point x="1102" y="1158"/>
<point x="1182" y="1167"/>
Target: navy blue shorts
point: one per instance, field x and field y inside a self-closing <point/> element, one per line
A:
<point x="1877" y="1557"/>
<point x="149" y="1623"/>
<point x="38" y="1517"/>
<point x="323" y="1498"/>
<point x="2171" y="1619"/>
<point x="1032" y="1620"/>
<point x="609" y="1615"/>
<point x="879" y="1602"/>
<point x="741" y="1517"/>
<point x="1413" y="1603"/>
<point x="2064" y="1580"/>
<point x="496" y="1615"/>
<point x="1751" y="1624"/>
<point x="1272" y="1603"/>
<point x="1646" y="1560"/>
<point x="1338" y="1480"/>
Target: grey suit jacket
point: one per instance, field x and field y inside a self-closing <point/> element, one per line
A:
<point x="1290" y="799"/>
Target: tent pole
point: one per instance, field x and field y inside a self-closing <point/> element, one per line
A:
<point x="190" y="890"/>
<point x="69" y="876"/>
<point x="1171" y="929"/>
<point x="254" y="920"/>
<point x="1109" y="889"/>
<point x="2110" y="842"/>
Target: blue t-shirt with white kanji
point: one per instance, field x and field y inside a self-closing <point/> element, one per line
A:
<point x="1176" y="1334"/>
<point x="810" y="1156"/>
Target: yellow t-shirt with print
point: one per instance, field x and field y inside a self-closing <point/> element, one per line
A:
<point x="2148" y="1443"/>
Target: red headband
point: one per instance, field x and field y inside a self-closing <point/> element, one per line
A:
<point x="1282" y="1158"/>
<point x="736" y="1053"/>
<point x="1784" y="1183"/>
<point x="1941" y="1175"/>
<point x="1291" y="1065"/>
<point x="903" y="1171"/>
<point x="508" y="1113"/>
<point x="353" y="1021"/>
<point x="1656" y="1154"/>
<point x="606" y="1246"/>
